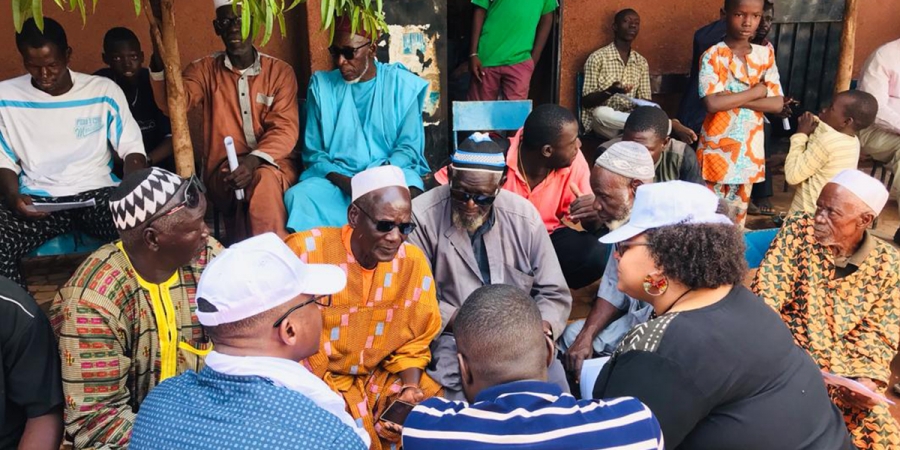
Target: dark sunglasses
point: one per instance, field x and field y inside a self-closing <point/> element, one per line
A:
<point x="479" y="199"/>
<point x="226" y="23"/>
<point x="190" y="198"/>
<point x="621" y="247"/>
<point x="316" y="299"/>
<point x="347" y="52"/>
<point x="386" y="226"/>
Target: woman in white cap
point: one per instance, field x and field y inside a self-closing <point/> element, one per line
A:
<point x="715" y="364"/>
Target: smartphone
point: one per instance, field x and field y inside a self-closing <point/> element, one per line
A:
<point x="397" y="412"/>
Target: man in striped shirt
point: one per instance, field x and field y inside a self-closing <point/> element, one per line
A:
<point x="503" y="358"/>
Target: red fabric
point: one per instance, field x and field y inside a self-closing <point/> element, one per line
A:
<point x="343" y="23"/>
<point x="512" y="82"/>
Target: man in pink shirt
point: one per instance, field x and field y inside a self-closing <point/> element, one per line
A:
<point x="880" y="76"/>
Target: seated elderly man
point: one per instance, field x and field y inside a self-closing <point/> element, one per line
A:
<point x="504" y="358"/>
<point x="57" y="128"/>
<point x="673" y="159"/>
<point x="362" y="114"/>
<point x="377" y="331"/>
<point x="838" y="289"/>
<point x="474" y="234"/>
<point x="253" y="392"/>
<point x="132" y="304"/>
<point x="616" y="175"/>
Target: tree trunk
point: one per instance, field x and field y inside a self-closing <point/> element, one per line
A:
<point x="161" y="14"/>
<point x="848" y="47"/>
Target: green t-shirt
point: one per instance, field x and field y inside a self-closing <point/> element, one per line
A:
<point x="509" y="29"/>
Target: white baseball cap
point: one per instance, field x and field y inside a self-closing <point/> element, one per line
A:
<point x="257" y="275"/>
<point x="670" y="203"/>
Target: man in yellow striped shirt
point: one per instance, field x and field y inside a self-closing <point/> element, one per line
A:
<point x="826" y="145"/>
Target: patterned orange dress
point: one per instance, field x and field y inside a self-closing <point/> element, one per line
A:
<point x="850" y="326"/>
<point x="381" y="324"/>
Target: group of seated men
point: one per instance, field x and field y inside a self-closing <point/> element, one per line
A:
<point x="400" y="320"/>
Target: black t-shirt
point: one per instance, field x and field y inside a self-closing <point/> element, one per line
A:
<point x="154" y="124"/>
<point x="727" y="376"/>
<point x="30" y="382"/>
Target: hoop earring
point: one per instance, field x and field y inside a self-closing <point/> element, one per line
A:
<point x="655" y="288"/>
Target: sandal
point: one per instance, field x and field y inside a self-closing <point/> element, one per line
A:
<point x="765" y="208"/>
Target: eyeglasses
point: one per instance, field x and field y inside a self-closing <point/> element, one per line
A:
<point x="226" y="23"/>
<point x="347" y="52"/>
<point x="621" y="247"/>
<point x="479" y="199"/>
<point x="318" y="299"/>
<point x="386" y="226"/>
<point x="191" y="198"/>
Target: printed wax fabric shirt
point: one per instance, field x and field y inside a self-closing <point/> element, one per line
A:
<point x="213" y="411"/>
<point x="59" y="145"/>
<point x="732" y="143"/>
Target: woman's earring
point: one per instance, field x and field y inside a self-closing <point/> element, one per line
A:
<point x="655" y="288"/>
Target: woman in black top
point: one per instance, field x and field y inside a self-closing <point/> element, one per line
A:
<point x="716" y="365"/>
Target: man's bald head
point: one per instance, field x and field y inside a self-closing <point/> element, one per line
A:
<point x="500" y="336"/>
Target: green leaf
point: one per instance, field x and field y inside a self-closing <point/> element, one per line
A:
<point x="245" y="19"/>
<point x="17" y="14"/>
<point x="37" y="11"/>
<point x="270" y="19"/>
<point x="137" y="7"/>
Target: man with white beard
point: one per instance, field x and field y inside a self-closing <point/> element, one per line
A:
<point x="475" y="234"/>
<point x="616" y="175"/>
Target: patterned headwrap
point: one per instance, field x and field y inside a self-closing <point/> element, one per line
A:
<point x="343" y="23"/>
<point x="141" y="195"/>
<point x="479" y="153"/>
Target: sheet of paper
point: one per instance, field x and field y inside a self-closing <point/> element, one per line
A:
<point x="639" y="102"/>
<point x="54" y="207"/>
<point x="853" y="385"/>
<point x="590" y="370"/>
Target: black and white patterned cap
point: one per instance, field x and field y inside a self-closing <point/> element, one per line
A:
<point x="141" y="195"/>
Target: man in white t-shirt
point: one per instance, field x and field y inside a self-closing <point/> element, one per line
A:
<point x="56" y="131"/>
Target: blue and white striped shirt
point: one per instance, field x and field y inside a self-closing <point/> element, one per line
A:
<point x="532" y="415"/>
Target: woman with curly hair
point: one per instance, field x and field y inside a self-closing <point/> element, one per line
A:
<point x="715" y="364"/>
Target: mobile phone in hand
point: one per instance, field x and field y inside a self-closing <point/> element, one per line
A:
<point x="397" y="412"/>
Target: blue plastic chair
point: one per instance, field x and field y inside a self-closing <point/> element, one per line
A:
<point x="757" y="244"/>
<point x="488" y="116"/>
<point x="68" y="243"/>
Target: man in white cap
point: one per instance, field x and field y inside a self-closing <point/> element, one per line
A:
<point x="377" y="331"/>
<point x="474" y="234"/>
<point x="253" y="392"/>
<point x="252" y="98"/>
<point x="616" y="175"/>
<point x="125" y="320"/>
<point x="838" y="289"/>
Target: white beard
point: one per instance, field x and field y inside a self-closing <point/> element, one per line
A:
<point x="364" y="72"/>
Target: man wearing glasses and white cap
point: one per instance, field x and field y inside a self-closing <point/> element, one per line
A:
<point x="377" y="331"/>
<point x="838" y="289"/>
<point x="252" y="98"/>
<point x="260" y="306"/>
<point x="125" y="319"/>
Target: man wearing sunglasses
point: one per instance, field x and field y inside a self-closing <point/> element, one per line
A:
<point x="474" y="234"/>
<point x="125" y="319"/>
<point x="363" y="114"/>
<point x="252" y="98"/>
<point x="377" y="331"/>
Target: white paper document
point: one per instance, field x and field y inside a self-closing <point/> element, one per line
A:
<point x="854" y="386"/>
<point x="590" y="370"/>
<point x="54" y="207"/>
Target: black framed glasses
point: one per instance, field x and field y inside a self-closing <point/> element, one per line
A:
<point x="386" y="226"/>
<point x="226" y="23"/>
<point x="621" y="247"/>
<point x="191" y="195"/>
<point x="347" y="52"/>
<point x="479" y="199"/>
<point x="321" y="300"/>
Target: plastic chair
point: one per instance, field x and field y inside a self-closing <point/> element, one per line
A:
<point x="66" y="244"/>
<point x="757" y="243"/>
<point x="489" y="116"/>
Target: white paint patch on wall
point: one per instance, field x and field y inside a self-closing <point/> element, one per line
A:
<point x="412" y="46"/>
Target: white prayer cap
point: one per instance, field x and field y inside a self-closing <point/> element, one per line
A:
<point x="868" y="189"/>
<point x="220" y="3"/>
<point x="259" y="274"/>
<point x="376" y="178"/>
<point x="629" y="159"/>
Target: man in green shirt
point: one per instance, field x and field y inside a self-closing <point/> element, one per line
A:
<point x="508" y="37"/>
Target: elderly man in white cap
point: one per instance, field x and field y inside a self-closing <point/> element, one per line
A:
<point x="616" y="175"/>
<point x="250" y="97"/>
<point x="253" y="392"/>
<point x="377" y="332"/>
<point x="838" y="289"/>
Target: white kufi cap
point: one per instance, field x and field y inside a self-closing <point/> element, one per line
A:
<point x="220" y="3"/>
<point x="871" y="191"/>
<point x="376" y="178"/>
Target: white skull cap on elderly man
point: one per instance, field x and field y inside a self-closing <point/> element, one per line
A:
<point x="220" y="3"/>
<point x="871" y="191"/>
<point x="376" y="178"/>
